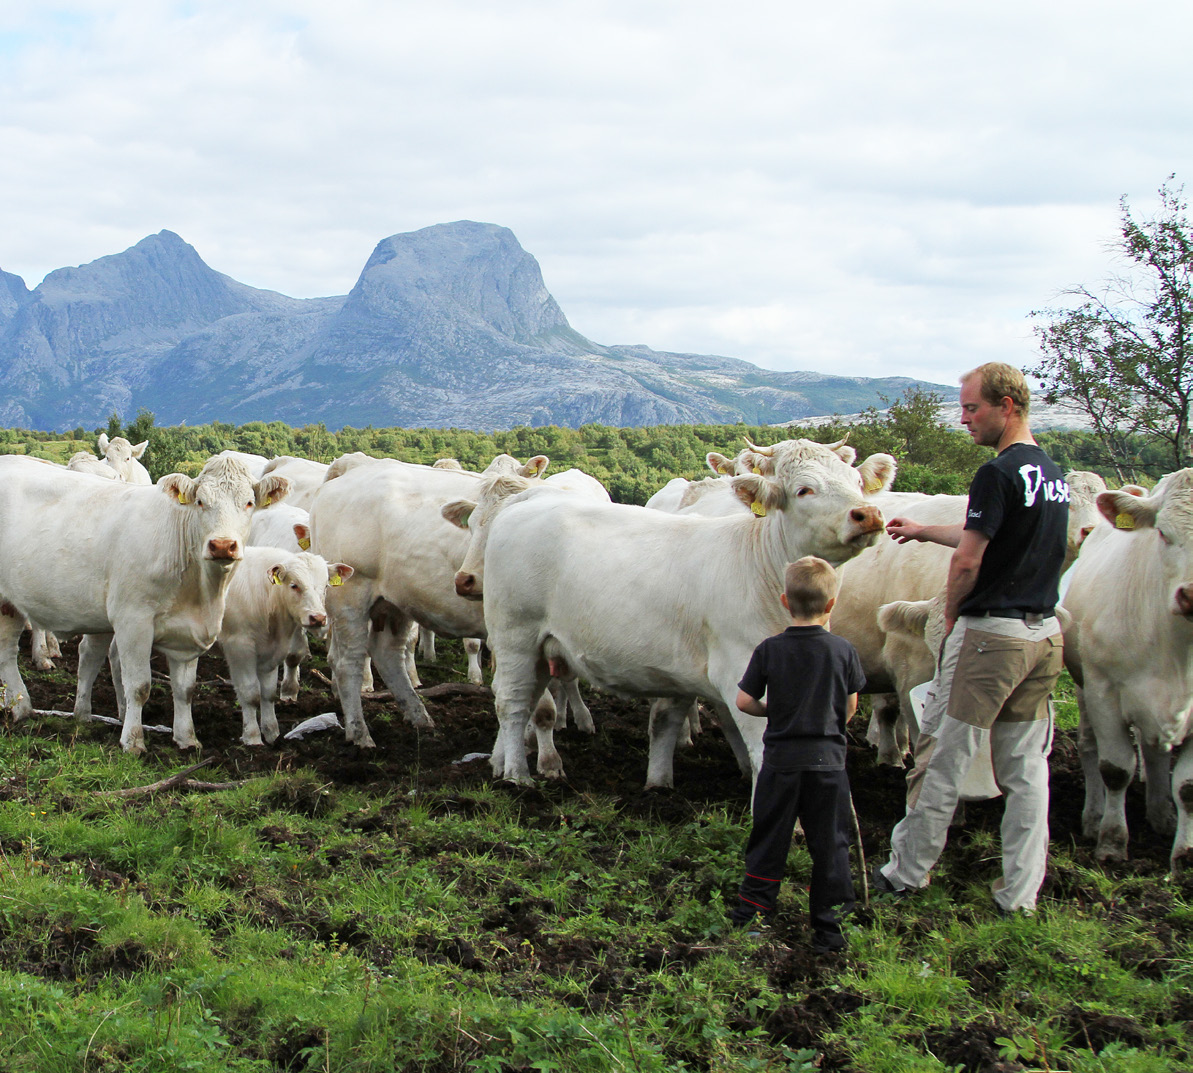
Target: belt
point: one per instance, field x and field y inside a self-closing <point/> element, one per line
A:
<point x="1017" y="612"/>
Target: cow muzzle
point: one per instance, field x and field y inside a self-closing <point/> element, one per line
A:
<point x="226" y="549"/>
<point x="865" y="522"/>
<point x="468" y="585"/>
<point x="1182" y="602"/>
<point x="314" y="622"/>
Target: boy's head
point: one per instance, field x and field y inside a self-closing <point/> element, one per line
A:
<point x="809" y="587"/>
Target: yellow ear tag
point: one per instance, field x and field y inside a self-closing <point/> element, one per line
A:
<point x="872" y="486"/>
<point x="756" y="469"/>
<point x="758" y="509"/>
<point x="268" y="500"/>
<point x="182" y="498"/>
<point x="274" y="579"/>
<point x="336" y="580"/>
<point x="305" y="543"/>
<point x="1124" y="521"/>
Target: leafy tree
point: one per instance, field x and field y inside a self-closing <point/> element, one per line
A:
<point x="1124" y="355"/>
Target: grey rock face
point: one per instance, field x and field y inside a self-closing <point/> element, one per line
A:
<point x="448" y="326"/>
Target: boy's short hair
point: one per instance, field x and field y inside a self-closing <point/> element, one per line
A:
<point x="1000" y="380"/>
<point x="809" y="583"/>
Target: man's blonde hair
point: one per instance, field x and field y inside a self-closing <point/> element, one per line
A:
<point x="1000" y="380"/>
<point x="809" y="584"/>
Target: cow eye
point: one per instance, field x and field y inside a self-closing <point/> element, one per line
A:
<point x="294" y="587"/>
<point x="198" y="502"/>
<point x="805" y="491"/>
<point x="1164" y="536"/>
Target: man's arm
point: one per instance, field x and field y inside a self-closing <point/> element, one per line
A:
<point x="850" y="706"/>
<point x="963" y="573"/>
<point x="750" y="705"/>
<point x="904" y="529"/>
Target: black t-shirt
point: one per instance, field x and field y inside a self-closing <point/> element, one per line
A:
<point x="1021" y="502"/>
<point x="807" y="675"/>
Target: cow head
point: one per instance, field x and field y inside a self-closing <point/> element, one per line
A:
<point x="820" y="497"/>
<point x="477" y="516"/>
<point x="1164" y="520"/>
<point x="303" y="579"/>
<point x="218" y="506"/>
<point x="1084" y="489"/>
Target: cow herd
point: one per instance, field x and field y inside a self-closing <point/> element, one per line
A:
<point x="664" y="602"/>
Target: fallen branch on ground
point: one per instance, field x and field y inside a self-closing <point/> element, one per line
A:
<point x="179" y="781"/>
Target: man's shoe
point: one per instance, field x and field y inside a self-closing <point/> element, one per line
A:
<point x="827" y="942"/>
<point x="881" y="885"/>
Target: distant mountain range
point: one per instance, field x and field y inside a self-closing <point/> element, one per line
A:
<point x="450" y="326"/>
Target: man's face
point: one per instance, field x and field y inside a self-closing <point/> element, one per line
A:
<point x="983" y="421"/>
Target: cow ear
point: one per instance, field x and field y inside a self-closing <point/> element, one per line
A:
<point x="1133" y="490"/>
<point x="102" y="443"/>
<point x="761" y="494"/>
<point x="908" y="617"/>
<point x="845" y="453"/>
<point x="179" y="487"/>
<point x="535" y="467"/>
<point x="338" y="573"/>
<point x="139" y="449"/>
<point x="458" y="511"/>
<point x="277" y="574"/>
<point x="302" y="533"/>
<point x="878" y="473"/>
<point x="1126" y="511"/>
<point x="271" y="489"/>
<point x="718" y="463"/>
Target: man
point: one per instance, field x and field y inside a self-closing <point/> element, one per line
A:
<point x="1002" y="653"/>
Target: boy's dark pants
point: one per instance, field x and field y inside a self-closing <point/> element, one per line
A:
<point x="820" y="800"/>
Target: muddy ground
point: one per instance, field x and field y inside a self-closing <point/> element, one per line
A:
<point x="614" y="763"/>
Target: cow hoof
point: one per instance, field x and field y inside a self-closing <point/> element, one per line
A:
<point x="43" y="664"/>
<point x="1112" y="846"/>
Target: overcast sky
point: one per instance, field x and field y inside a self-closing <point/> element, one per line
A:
<point x="869" y="188"/>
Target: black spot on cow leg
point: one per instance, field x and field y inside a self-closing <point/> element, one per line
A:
<point x="292" y="660"/>
<point x="1184" y="794"/>
<point x="7" y="609"/>
<point x="1115" y="778"/>
<point x="189" y="696"/>
<point x="141" y="693"/>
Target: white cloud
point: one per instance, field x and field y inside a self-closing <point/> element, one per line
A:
<point x="872" y="187"/>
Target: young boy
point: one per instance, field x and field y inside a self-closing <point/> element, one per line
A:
<point x="811" y="680"/>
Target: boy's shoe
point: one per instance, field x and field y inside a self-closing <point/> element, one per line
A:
<point x="882" y="885"/>
<point x="828" y="942"/>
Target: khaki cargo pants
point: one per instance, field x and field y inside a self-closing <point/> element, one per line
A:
<point x="995" y="678"/>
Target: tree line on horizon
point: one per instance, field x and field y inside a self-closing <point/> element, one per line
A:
<point x="633" y="463"/>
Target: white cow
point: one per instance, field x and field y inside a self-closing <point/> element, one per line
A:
<point x="125" y="458"/>
<point x="477" y="515"/>
<point x="661" y="605"/>
<point x="86" y="462"/>
<point x="275" y="597"/>
<point x="304" y="476"/>
<point x="1130" y="650"/>
<point x="150" y="566"/>
<point x="383" y="517"/>
<point x="254" y="463"/>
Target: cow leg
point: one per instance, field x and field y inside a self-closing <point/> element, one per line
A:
<point x="93" y="650"/>
<point x="575" y="703"/>
<point x="1116" y="765"/>
<point x="518" y="683"/>
<point x="668" y="717"/>
<point x="886" y="724"/>
<point x="300" y="649"/>
<point x="390" y="648"/>
<point x="242" y="667"/>
<point x="53" y="649"/>
<point x="694" y="720"/>
<point x="1095" y="788"/>
<point x="348" y="645"/>
<point x="134" y="645"/>
<point x="1157" y="767"/>
<point x="411" y="666"/>
<point x="1182" y="795"/>
<point x="183" y="675"/>
<point x="39" y="648"/>
<point x="559" y="698"/>
<point x="472" y="646"/>
<point x="267" y="680"/>
<point x="16" y="695"/>
<point x="542" y="722"/>
<point x="426" y="645"/>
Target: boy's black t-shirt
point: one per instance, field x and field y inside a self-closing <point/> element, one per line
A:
<point x="807" y="675"/>
<point x="1020" y="500"/>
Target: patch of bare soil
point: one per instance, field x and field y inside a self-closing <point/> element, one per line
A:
<point x="613" y="762"/>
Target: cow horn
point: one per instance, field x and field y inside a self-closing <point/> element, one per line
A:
<point x="766" y="452"/>
<point x="840" y="443"/>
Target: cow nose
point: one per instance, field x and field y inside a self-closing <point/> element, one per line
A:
<point x="316" y="620"/>
<point x="465" y="584"/>
<point x="867" y="519"/>
<point x="1184" y="600"/>
<point x="224" y="548"/>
